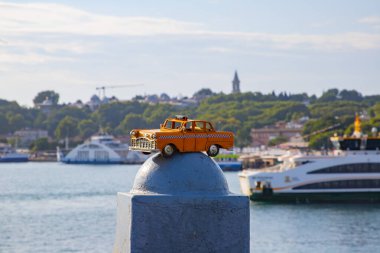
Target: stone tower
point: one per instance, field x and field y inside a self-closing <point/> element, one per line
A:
<point x="236" y="84"/>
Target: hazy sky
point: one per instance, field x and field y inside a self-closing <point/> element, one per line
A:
<point x="179" y="47"/>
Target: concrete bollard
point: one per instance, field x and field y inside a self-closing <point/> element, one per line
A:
<point x="181" y="204"/>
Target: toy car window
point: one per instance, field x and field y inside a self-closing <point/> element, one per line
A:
<point x="169" y="124"/>
<point x="172" y="124"/>
<point x="209" y="127"/>
<point x="177" y="125"/>
<point x="199" y="126"/>
<point x="188" y="127"/>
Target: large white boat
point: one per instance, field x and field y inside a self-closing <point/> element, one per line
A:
<point x="101" y="149"/>
<point x="351" y="174"/>
<point x="8" y="154"/>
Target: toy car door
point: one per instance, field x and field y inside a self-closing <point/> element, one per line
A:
<point x="201" y="135"/>
<point x="189" y="137"/>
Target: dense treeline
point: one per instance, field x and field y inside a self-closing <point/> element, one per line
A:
<point x="234" y="112"/>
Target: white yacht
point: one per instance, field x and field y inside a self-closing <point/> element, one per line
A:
<point x="101" y="149"/>
<point x="351" y="174"/>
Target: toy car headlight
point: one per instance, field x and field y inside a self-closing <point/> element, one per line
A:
<point x="154" y="136"/>
<point x="133" y="133"/>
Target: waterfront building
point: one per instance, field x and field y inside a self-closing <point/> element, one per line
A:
<point x="26" y="136"/>
<point x="262" y="136"/>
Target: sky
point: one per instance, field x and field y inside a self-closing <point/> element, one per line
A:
<point x="180" y="47"/>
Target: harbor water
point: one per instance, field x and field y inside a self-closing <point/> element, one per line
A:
<point x="52" y="207"/>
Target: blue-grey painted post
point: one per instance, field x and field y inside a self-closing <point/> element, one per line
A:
<point x="181" y="204"/>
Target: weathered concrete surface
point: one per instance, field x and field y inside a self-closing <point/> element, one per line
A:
<point x="181" y="204"/>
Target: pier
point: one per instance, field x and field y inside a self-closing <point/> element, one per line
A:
<point x="181" y="204"/>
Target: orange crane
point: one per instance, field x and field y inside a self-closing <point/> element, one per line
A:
<point x="103" y="88"/>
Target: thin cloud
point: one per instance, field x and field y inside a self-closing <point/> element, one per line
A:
<point x="40" y="18"/>
<point x="361" y="41"/>
<point x="321" y="24"/>
<point x="21" y="19"/>
<point x="30" y="58"/>
<point x="51" y="46"/>
<point x="220" y="50"/>
<point x="371" y="20"/>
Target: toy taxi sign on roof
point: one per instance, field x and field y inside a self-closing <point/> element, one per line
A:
<point x="180" y="134"/>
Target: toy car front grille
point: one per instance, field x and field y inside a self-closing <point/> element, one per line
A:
<point x="143" y="144"/>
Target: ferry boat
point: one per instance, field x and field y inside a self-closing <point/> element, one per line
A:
<point x="101" y="149"/>
<point x="351" y="174"/>
<point x="8" y="154"/>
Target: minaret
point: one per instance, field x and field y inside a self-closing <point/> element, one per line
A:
<point x="236" y="84"/>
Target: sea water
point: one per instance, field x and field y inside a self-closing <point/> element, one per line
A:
<point x="53" y="207"/>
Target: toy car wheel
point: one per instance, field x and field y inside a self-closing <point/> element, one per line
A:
<point x="213" y="150"/>
<point x="146" y="153"/>
<point x="168" y="150"/>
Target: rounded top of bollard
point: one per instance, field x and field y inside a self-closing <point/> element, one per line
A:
<point x="183" y="173"/>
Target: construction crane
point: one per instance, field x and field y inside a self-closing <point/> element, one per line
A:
<point x="103" y="88"/>
<point x="321" y="131"/>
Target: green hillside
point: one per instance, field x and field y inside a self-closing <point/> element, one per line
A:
<point x="235" y="112"/>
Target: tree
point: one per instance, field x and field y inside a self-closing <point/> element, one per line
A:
<point x="41" y="96"/>
<point x="110" y="115"/>
<point x="57" y="115"/>
<point x="278" y="140"/>
<point x="87" y="128"/>
<point x="39" y="144"/>
<point x="67" y="127"/>
<point x="351" y="95"/>
<point x="4" y="128"/>
<point x="203" y="93"/>
<point x="329" y="95"/>
<point x="16" y="121"/>
<point x="321" y="141"/>
<point x="376" y="109"/>
<point x="242" y="137"/>
<point x="131" y="121"/>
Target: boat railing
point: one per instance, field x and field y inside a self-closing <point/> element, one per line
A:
<point x="276" y="168"/>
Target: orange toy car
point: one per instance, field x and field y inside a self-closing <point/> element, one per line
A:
<point x="183" y="135"/>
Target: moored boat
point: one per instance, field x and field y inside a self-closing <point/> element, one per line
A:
<point x="228" y="161"/>
<point x="233" y="165"/>
<point x="8" y="154"/>
<point x="101" y="149"/>
<point x="351" y="174"/>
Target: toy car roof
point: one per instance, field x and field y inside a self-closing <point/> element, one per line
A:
<point x="181" y="117"/>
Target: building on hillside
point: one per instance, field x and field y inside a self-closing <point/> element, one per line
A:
<point x="26" y="136"/>
<point x="78" y="104"/>
<point x="152" y="99"/>
<point x="184" y="102"/>
<point x="236" y="84"/>
<point x="164" y="97"/>
<point x="94" y="102"/>
<point x="262" y="136"/>
<point x="46" y="106"/>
